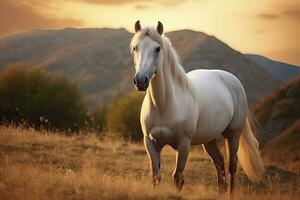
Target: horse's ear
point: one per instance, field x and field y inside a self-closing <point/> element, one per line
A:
<point x="160" y="28"/>
<point x="137" y="26"/>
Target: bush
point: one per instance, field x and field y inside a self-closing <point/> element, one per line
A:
<point x="123" y="116"/>
<point x="40" y="99"/>
<point x="95" y="120"/>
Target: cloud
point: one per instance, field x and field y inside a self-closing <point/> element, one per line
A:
<point x="110" y="2"/>
<point x="146" y="3"/>
<point x="15" y="17"/>
<point x="165" y="3"/>
<point x="141" y="6"/>
<point x="268" y="16"/>
<point x="171" y="3"/>
<point x="293" y="13"/>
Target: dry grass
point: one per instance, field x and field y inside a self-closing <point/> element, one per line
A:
<point x="284" y="149"/>
<point x="37" y="165"/>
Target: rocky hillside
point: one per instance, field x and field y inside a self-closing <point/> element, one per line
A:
<point x="284" y="149"/>
<point x="279" y="115"/>
<point x="99" y="58"/>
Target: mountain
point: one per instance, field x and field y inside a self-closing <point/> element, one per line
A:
<point x="96" y="58"/>
<point x="279" y="116"/>
<point x="282" y="71"/>
<point x="284" y="150"/>
<point x="99" y="59"/>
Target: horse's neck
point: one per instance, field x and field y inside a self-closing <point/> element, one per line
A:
<point x="165" y="84"/>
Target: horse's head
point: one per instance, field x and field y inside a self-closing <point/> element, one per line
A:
<point x="146" y="47"/>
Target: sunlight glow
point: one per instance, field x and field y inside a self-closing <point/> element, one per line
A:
<point x="260" y="27"/>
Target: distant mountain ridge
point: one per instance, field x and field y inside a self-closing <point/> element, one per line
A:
<point x="281" y="70"/>
<point x="99" y="59"/>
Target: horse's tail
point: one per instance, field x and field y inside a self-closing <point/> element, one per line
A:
<point x="248" y="153"/>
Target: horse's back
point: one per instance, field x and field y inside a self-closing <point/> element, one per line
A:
<point x="215" y="83"/>
<point x="221" y="99"/>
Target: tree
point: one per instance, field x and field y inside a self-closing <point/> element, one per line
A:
<point x="123" y="116"/>
<point x="40" y="99"/>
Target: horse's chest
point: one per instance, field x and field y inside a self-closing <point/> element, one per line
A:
<point x="168" y="127"/>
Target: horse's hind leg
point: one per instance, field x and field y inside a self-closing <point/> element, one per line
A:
<point x="212" y="149"/>
<point x="232" y="142"/>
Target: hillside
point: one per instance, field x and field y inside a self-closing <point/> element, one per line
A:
<point x="284" y="150"/>
<point x="282" y="71"/>
<point x="95" y="58"/>
<point x="279" y="115"/>
<point x="99" y="58"/>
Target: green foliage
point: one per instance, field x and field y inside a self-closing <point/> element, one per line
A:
<point x="123" y="116"/>
<point x="40" y="99"/>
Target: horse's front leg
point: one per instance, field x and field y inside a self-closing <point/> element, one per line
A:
<point x="153" y="150"/>
<point x="183" y="149"/>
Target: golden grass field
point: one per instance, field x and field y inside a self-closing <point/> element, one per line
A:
<point x="35" y="165"/>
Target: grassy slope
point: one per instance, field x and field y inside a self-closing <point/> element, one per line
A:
<point x="285" y="148"/>
<point x="49" y="166"/>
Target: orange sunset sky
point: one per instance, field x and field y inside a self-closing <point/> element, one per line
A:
<point x="267" y="27"/>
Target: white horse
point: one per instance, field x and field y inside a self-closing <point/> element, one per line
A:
<point x="182" y="109"/>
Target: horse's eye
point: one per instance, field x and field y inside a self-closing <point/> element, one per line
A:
<point x="157" y="49"/>
<point x="134" y="48"/>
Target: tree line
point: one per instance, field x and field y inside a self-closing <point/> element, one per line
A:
<point x="33" y="97"/>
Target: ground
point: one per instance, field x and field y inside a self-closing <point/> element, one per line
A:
<point x="42" y="165"/>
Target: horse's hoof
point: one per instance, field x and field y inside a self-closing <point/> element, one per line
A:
<point x="179" y="181"/>
<point x="155" y="181"/>
<point x="179" y="185"/>
<point x="222" y="188"/>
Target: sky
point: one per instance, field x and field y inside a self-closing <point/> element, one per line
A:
<point x="266" y="27"/>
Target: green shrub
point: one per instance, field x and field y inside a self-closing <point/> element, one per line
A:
<point x="40" y="99"/>
<point x="123" y="116"/>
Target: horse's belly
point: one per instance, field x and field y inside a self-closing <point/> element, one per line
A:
<point x="209" y="129"/>
<point x="205" y="137"/>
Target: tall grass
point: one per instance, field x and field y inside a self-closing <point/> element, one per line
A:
<point x="36" y="165"/>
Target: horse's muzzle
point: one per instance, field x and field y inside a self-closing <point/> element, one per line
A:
<point x="141" y="82"/>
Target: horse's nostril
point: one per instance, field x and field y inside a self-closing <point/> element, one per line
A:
<point x="134" y="80"/>
<point x="146" y="80"/>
